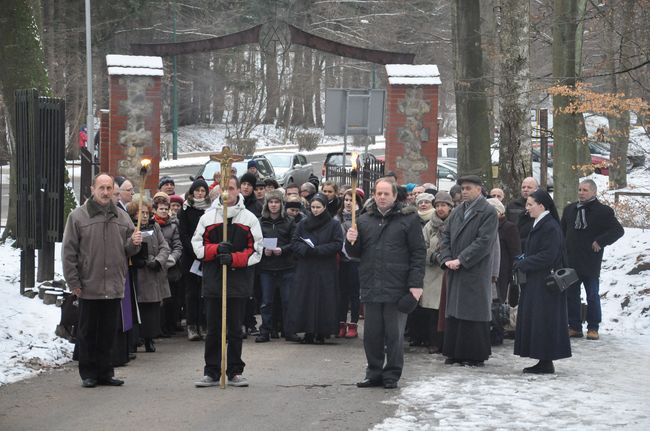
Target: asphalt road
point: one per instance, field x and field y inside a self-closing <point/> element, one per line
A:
<point x="292" y="387"/>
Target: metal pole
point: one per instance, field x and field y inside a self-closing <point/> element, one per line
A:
<point x="90" y="122"/>
<point x="174" y="99"/>
<point x="345" y="133"/>
<point x="374" y="85"/>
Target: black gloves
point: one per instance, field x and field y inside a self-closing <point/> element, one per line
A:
<point x="224" y="248"/>
<point x="154" y="265"/>
<point x="225" y="259"/>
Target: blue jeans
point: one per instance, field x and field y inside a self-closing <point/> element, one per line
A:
<point x="269" y="280"/>
<point x="591" y="284"/>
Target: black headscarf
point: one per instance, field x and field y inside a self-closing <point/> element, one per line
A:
<point x="314" y="222"/>
<point x="542" y="197"/>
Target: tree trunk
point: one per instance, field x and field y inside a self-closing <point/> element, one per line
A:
<point x="272" y="89"/>
<point x="584" y="154"/>
<point x="318" y="72"/>
<point x="565" y="124"/>
<point x="514" y="102"/>
<point x="471" y="101"/>
<point x="619" y="126"/>
<point x="218" y="88"/>
<point x="308" y="90"/>
<point x="22" y="66"/>
<point x="297" y="77"/>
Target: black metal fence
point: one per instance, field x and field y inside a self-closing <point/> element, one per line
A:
<point x="40" y="159"/>
<point x="371" y="171"/>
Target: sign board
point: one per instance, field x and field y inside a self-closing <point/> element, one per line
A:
<point x="354" y="112"/>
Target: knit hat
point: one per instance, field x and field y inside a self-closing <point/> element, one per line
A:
<point x="251" y="164"/>
<point x="166" y="180"/>
<point x="271" y="182"/>
<point x="248" y="178"/>
<point x="496" y="203"/>
<point x="176" y="199"/>
<point x="293" y="202"/>
<point x="445" y="197"/>
<point x="409" y="187"/>
<point x="424" y="197"/>
<point x="199" y="182"/>
<point x="361" y="193"/>
<point x="320" y="197"/>
<point x="260" y="183"/>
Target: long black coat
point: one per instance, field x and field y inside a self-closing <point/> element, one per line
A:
<point x="510" y="248"/>
<point x="602" y="227"/>
<point x="188" y="219"/>
<point x="517" y="214"/>
<point x="542" y="317"/>
<point x="313" y="301"/>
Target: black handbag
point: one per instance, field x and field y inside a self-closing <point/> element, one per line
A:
<point x="561" y="279"/>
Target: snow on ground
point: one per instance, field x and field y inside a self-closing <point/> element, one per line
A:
<point x="28" y="345"/>
<point x="603" y="386"/>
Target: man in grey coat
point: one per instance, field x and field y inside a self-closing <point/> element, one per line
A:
<point x="97" y="241"/>
<point x="465" y="249"/>
<point x="388" y="240"/>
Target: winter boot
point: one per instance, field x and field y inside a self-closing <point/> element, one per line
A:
<point x="352" y="331"/>
<point x="193" y="333"/>
<point x="342" y="330"/>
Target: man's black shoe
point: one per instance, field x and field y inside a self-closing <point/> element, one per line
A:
<point x="293" y="337"/>
<point x="368" y="383"/>
<point x="89" y="383"/>
<point x="110" y="382"/>
<point x="262" y="338"/>
<point x="390" y="384"/>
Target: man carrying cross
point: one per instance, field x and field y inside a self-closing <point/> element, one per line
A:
<point x="241" y="250"/>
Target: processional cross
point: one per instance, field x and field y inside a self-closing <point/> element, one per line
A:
<point x="225" y="158"/>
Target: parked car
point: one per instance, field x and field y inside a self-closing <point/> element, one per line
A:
<point x="447" y="173"/>
<point x="333" y="160"/>
<point x="447" y="150"/>
<point x="264" y="167"/>
<point x="290" y="167"/>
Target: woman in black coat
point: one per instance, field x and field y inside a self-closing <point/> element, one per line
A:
<point x="313" y="303"/>
<point x="542" y="318"/>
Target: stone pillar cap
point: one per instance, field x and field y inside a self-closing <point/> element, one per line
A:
<point x="413" y="74"/>
<point x="134" y="65"/>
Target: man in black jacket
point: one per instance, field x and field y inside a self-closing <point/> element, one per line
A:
<point x="516" y="210"/>
<point x="588" y="227"/>
<point x="388" y="240"/>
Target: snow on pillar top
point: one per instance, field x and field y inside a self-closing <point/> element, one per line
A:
<point x="141" y="65"/>
<point x="409" y="74"/>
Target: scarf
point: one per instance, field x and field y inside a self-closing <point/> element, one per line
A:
<point x="315" y="222"/>
<point x="199" y="204"/>
<point x="161" y="221"/>
<point x="425" y="216"/>
<point x="581" y="214"/>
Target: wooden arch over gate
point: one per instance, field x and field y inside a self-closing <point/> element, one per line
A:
<point x="277" y="33"/>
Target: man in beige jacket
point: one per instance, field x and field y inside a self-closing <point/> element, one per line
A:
<point x="98" y="238"/>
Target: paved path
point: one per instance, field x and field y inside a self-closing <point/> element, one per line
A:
<point x="293" y="387"/>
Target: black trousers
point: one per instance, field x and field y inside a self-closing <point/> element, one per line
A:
<point x="193" y="300"/>
<point x="98" y="325"/>
<point x="383" y="341"/>
<point x="235" y="312"/>
<point x="349" y="291"/>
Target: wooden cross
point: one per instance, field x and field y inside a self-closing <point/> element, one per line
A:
<point x="226" y="158"/>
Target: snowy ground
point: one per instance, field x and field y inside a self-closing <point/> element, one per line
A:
<point x="604" y="385"/>
<point x="28" y="345"/>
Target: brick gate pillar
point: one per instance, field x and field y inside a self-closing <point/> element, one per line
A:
<point x="412" y="122"/>
<point x="133" y="118"/>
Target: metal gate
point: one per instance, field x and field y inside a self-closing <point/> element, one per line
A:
<point x="40" y="159"/>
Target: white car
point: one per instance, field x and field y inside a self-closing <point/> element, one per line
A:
<point x="447" y="173"/>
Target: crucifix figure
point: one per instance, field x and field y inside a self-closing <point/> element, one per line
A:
<point x="225" y="158"/>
